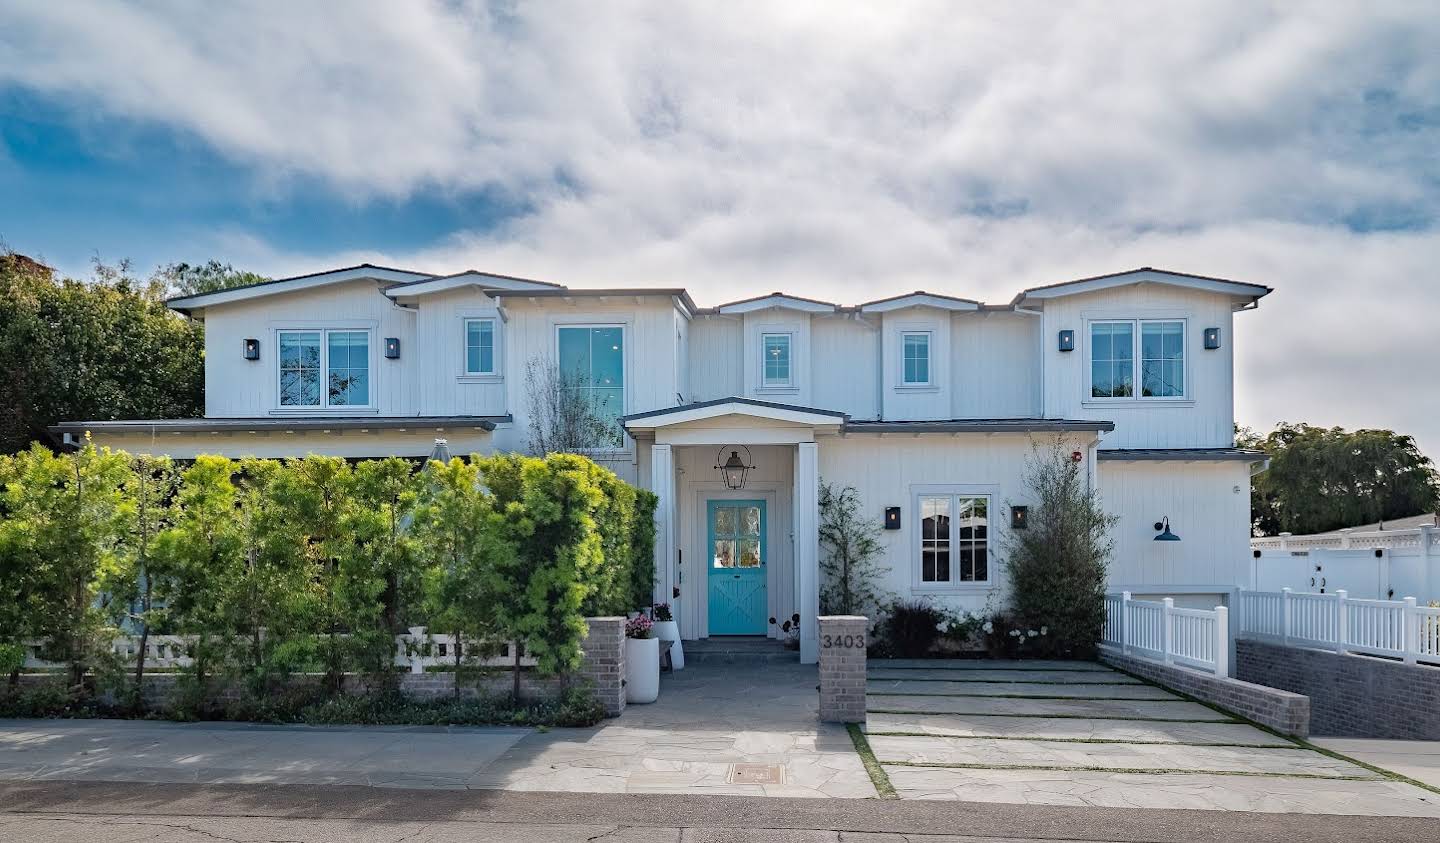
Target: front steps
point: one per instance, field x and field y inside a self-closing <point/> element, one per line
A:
<point x="738" y="649"/>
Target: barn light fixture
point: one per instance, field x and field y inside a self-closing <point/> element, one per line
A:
<point x="1163" y="528"/>
<point x="734" y="470"/>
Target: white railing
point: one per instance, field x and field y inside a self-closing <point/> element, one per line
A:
<point x="1198" y="638"/>
<point x="417" y="650"/>
<point x="1423" y="538"/>
<point x="1397" y="629"/>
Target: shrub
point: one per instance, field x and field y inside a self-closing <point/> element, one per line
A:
<point x="849" y="546"/>
<point x="911" y="627"/>
<point x="1056" y="567"/>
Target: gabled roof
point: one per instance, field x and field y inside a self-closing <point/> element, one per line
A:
<point x="468" y="278"/>
<point x="778" y="299"/>
<point x="919" y="298"/>
<point x="732" y="406"/>
<point x="1145" y="275"/>
<point x="297" y="282"/>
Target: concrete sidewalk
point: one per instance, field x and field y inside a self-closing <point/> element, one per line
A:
<point x="1419" y="760"/>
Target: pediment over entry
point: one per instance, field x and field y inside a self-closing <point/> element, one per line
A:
<point x="737" y="420"/>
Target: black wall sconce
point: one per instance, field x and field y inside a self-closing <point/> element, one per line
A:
<point x="1067" y="340"/>
<point x="392" y="348"/>
<point x="892" y="517"/>
<point x="252" y="349"/>
<point x="1019" y="517"/>
<point x="1212" y="339"/>
<point x="1163" y="528"/>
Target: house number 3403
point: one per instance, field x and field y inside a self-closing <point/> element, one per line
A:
<point x="853" y="641"/>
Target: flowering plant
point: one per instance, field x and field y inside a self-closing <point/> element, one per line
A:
<point x="662" y="612"/>
<point x="640" y="627"/>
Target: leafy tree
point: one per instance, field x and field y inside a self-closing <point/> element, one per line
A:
<point x="102" y="349"/>
<point x="384" y="497"/>
<point x="1322" y="479"/>
<point x="197" y="563"/>
<point x="458" y="526"/>
<point x="851" y="545"/>
<point x="145" y="511"/>
<point x="1056" y="566"/>
<point x="185" y="279"/>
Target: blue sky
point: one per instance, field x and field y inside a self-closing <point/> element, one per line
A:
<point x="834" y="150"/>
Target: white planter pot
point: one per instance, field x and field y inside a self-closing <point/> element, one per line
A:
<point x="642" y="670"/>
<point x="670" y="631"/>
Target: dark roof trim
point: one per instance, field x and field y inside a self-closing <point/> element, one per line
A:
<point x="480" y="273"/>
<point x="1182" y="455"/>
<point x="776" y="295"/>
<point x="303" y="277"/>
<point x="918" y="293"/>
<point x="272" y="423"/>
<point x="749" y="402"/>
<point x="980" y="426"/>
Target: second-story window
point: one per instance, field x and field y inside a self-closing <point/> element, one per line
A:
<point x="324" y="368"/>
<point x="775" y="362"/>
<point x="1140" y="358"/>
<point x="479" y="346"/>
<point x="915" y="358"/>
<point x="592" y="362"/>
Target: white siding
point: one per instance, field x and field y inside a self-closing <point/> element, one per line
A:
<point x="444" y="387"/>
<point x="995" y="366"/>
<point x="928" y="402"/>
<point x="844" y="367"/>
<point x="240" y="388"/>
<point x="1204" y="420"/>
<point x="716" y="358"/>
<point x="886" y="470"/>
<point x="779" y="320"/>
<point x="1208" y="505"/>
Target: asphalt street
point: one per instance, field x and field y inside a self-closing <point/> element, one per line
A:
<point x="48" y="812"/>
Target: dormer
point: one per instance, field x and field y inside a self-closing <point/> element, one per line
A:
<point x="917" y="375"/>
<point x="777" y="343"/>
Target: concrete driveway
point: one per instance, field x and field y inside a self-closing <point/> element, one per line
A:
<point x="1067" y="733"/>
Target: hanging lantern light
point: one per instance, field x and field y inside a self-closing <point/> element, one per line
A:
<point x="734" y="470"/>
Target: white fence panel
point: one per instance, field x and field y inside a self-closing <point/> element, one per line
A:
<point x="1397" y="629"/>
<point x="1196" y="638"/>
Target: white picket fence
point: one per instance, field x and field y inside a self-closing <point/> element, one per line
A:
<point x="417" y="650"/>
<point x="1198" y="638"/>
<point x="1397" y="629"/>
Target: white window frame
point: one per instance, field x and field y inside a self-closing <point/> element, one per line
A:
<point x="929" y="359"/>
<point x="789" y="382"/>
<point x="1137" y="325"/>
<point x="556" y="327"/>
<point x="324" y="332"/>
<point x="494" y="347"/>
<point x="916" y="535"/>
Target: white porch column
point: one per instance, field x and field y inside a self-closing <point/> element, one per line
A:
<point x="807" y="547"/>
<point x="662" y="483"/>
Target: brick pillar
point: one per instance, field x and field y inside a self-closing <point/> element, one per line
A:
<point x="604" y="662"/>
<point x="842" y="668"/>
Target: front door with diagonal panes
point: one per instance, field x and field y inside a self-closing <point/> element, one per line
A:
<point x="736" y="542"/>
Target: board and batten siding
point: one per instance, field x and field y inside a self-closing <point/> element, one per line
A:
<point x="995" y="366"/>
<point x="1205" y="419"/>
<point x="1208" y="505"/>
<point x="240" y="388"/>
<point x="715" y="358"/>
<point x="843" y="368"/>
<point x="445" y="388"/>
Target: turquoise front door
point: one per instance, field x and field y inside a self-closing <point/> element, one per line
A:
<point x="736" y="535"/>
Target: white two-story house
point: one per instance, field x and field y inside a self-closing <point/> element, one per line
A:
<point x="929" y="405"/>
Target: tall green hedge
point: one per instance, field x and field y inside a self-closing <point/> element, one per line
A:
<point x="313" y="564"/>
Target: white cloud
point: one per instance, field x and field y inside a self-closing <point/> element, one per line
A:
<point x="846" y="150"/>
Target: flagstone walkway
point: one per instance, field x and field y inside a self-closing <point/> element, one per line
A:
<point x="1067" y="733"/>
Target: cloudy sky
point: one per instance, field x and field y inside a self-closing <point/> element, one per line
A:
<point x="832" y="150"/>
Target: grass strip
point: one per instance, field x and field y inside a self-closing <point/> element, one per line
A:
<point x="1046" y="716"/>
<point x="1208" y="744"/>
<point x="1015" y="697"/>
<point x="877" y="774"/>
<point x="1299" y="742"/>
<point x="995" y="681"/>
<point x="1131" y="770"/>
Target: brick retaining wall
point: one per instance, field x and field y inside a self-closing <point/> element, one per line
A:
<point x="1283" y="711"/>
<point x="842" y="668"/>
<point x="1350" y="695"/>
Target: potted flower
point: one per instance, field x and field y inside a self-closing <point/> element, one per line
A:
<point x="642" y="661"/>
<point x="666" y="629"/>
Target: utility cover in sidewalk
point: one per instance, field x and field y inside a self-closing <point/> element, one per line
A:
<point x="756" y="774"/>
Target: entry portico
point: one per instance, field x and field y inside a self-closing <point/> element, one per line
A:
<point x="755" y="549"/>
